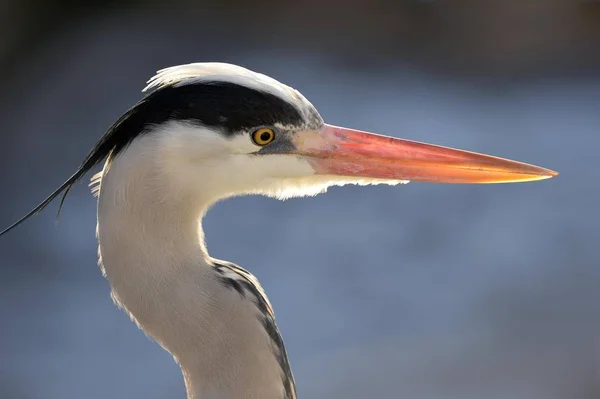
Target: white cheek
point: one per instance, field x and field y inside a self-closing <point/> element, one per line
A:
<point x="259" y="173"/>
<point x="281" y="166"/>
<point x="241" y="144"/>
<point x="188" y="142"/>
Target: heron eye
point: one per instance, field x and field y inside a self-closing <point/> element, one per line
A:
<point x="263" y="136"/>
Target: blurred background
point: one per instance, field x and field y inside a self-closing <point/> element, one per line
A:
<point x="421" y="291"/>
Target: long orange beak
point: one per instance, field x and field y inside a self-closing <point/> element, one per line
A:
<point x="334" y="150"/>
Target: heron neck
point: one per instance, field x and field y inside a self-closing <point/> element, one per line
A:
<point x="153" y="253"/>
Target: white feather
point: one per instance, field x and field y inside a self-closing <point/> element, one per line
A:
<point x="94" y="184"/>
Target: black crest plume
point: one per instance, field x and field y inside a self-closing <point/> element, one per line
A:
<point x="103" y="148"/>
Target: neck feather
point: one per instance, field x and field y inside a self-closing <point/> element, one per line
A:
<point x="153" y="253"/>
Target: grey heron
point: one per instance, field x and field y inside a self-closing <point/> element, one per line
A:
<point x="205" y="132"/>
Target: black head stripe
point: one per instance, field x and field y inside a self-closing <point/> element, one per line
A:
<point x="230" y="106"/>
<point x="216" y="104"/>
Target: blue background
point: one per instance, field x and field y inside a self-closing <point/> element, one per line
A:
<point x="420" y="291"/>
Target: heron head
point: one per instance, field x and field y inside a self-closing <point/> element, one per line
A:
<point x="245" y="133"/>
<point x="240" y="132"/>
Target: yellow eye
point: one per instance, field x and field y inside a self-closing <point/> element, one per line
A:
<point x="263" y="136"/>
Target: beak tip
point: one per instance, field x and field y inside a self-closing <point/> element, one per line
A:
<point x="544" y="175"/>
<point x="533" y="173"/>
<point x="548" y="174"/>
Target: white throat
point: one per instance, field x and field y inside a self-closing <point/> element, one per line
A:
<point x="152" y="252"/>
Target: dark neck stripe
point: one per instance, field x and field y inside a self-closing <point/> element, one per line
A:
<point x="245" y="284"/>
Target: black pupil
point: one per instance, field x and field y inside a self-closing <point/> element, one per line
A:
<point x="265" y="136"/>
